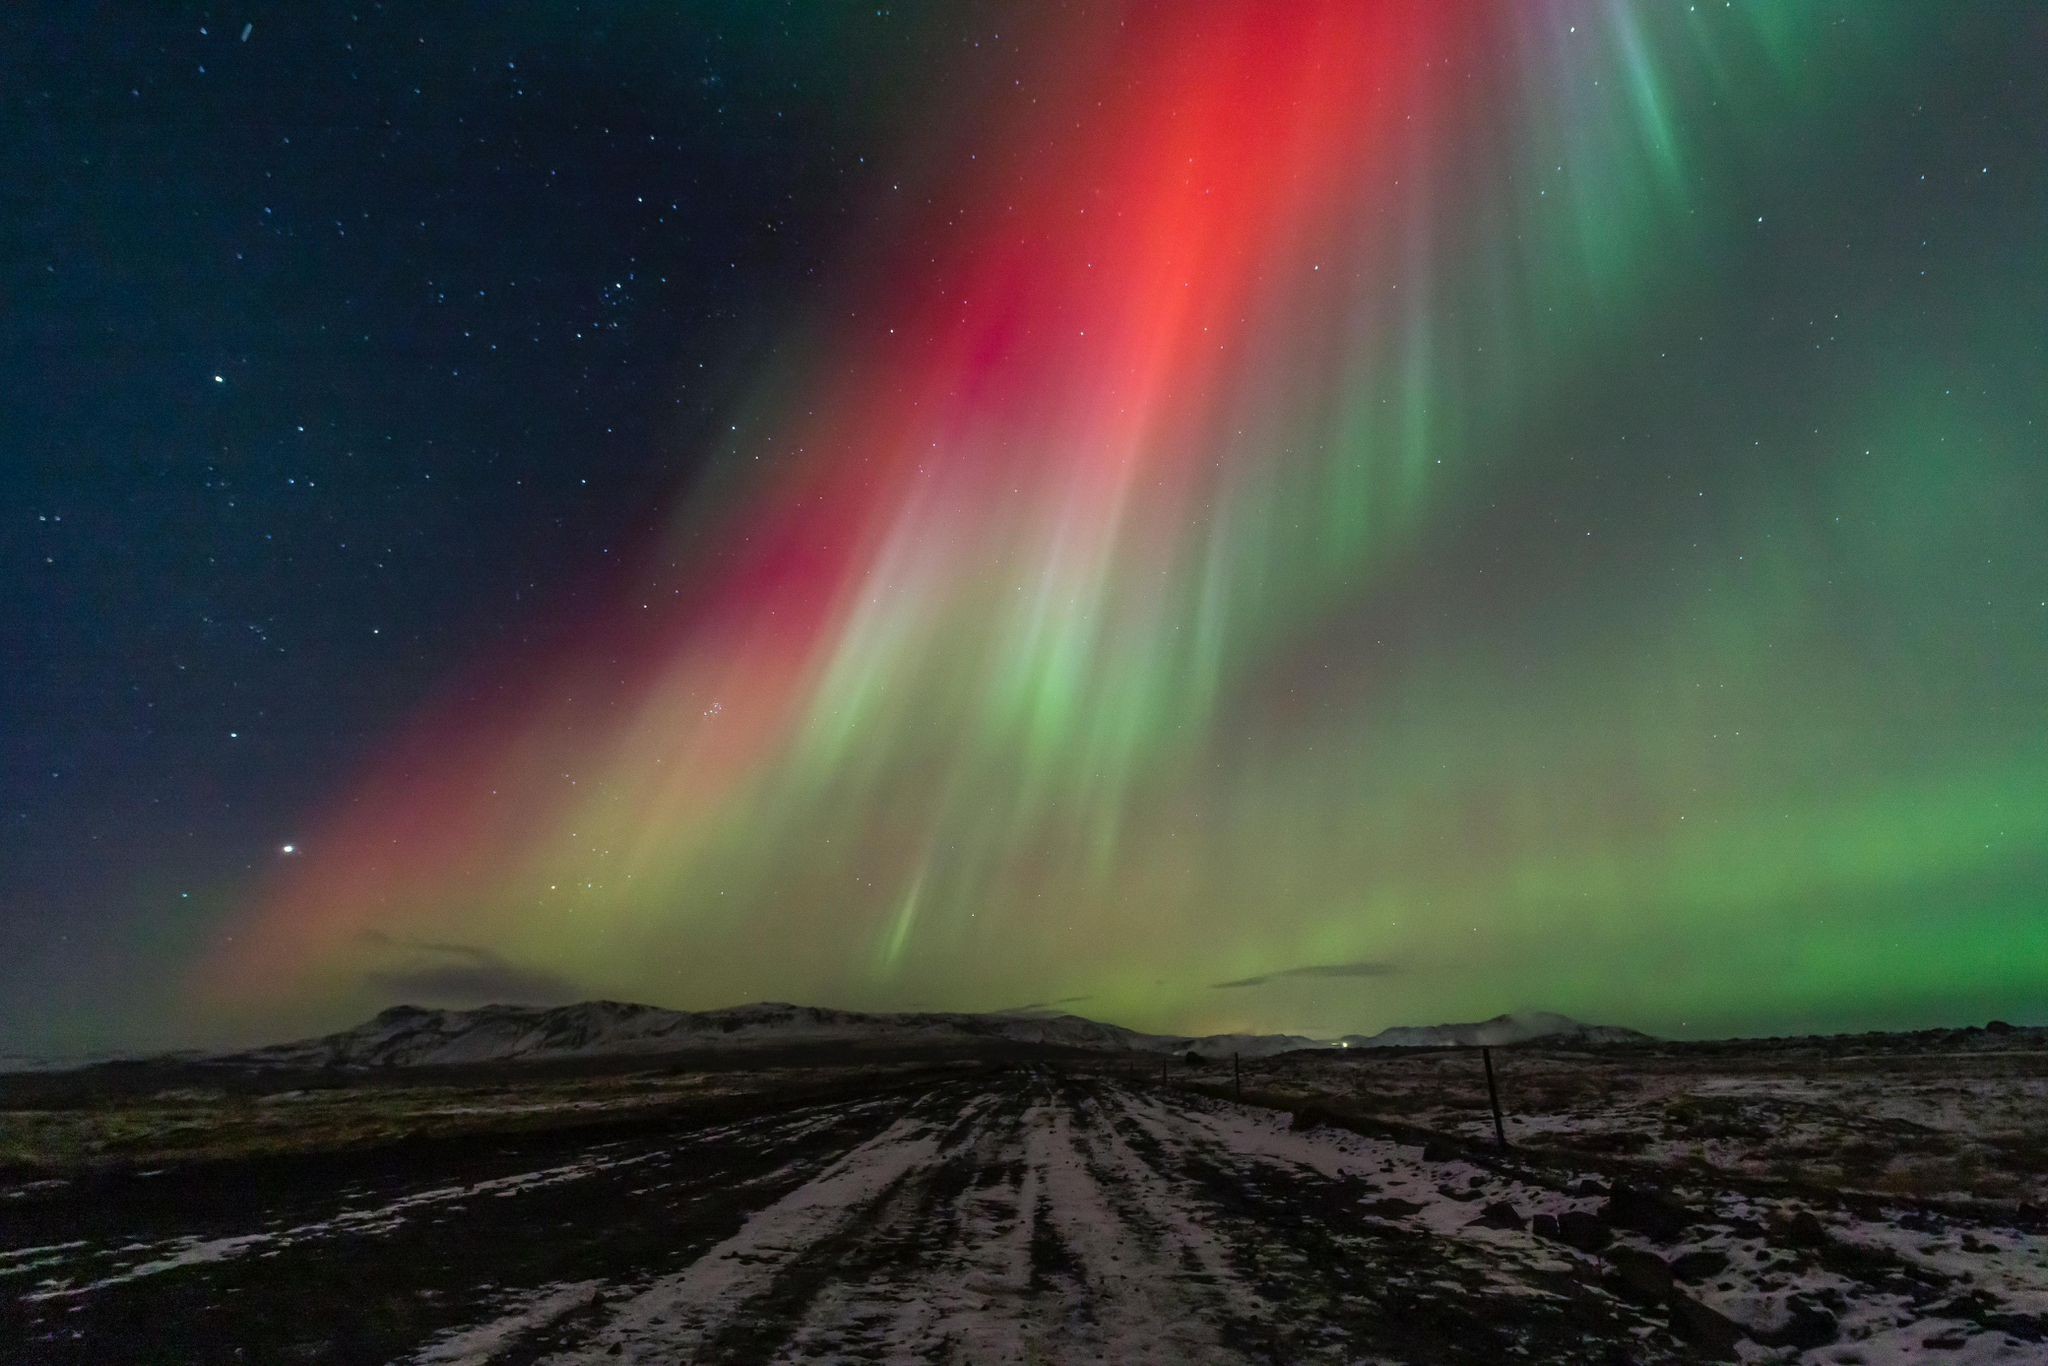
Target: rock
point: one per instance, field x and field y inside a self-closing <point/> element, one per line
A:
<point x="1699" y="1265"/>
<point x="1390" y="1207"/>
<point x="1576" y="1228"/>
<point x="1805" y="1229"/>
<point x="1998" y="1027"/>
<point x="1500" y="1214"/>
<point x="1545" y="1226"/>
<point x="1643" y="1272"/>
<point x="1709" y="1329"/>
<point x="1436" y="1150"/>
<point x="1589" y="1186"/>
<point x="1650" y="1213"/>
<point x="1809" y="1326"/>
<point x="1308" y="1117"/>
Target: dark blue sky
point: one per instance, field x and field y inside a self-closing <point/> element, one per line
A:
<point x="338" y="353"/>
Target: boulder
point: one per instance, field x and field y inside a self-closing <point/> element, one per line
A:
<point x="1501" y="1214"/>
<point x="1390" y="1207"/>
<point x="1643" y="1272"/>
<point x="1699" y="1265"/>
<point x="1809" y="1326"/>
<point x="1576" y="1228"/>
<point x="1650" y="1213"/>
<point x="1805" y="1229"/>
<point x="1709" y="1329"/>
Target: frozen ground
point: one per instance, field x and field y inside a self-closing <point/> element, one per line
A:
<point x="1960" y="1115"/>
<point x="1018" y="1215"/>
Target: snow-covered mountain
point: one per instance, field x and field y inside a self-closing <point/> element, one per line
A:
<point x="412" y="1036"/>
<point x="417" y="1036"/>
<point x="1520" y="1027"/>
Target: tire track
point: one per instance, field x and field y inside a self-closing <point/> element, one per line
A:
<point x="740" y="1290"/>
<point x="1360" y="1271"/>
<point x="409" y="1269"/>
<point x="1022" y="1216"/>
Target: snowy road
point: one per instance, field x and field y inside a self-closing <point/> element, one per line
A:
<point x="1074" y="1222"/>
<point x="1023" y="1216"/>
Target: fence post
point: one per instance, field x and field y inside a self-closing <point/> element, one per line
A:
<point x="1164" y="1063"/>
<point x="1236" y="1078"/>
<point x="1500" y="1133"/>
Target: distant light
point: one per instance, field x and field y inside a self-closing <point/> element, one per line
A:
<point x="220" y="379"/>
<point x="288" y="849"/>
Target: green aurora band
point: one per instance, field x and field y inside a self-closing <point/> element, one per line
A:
<point x="1497" y="497"/>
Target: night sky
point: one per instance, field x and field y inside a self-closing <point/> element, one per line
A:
<point x="1281" y="516"/>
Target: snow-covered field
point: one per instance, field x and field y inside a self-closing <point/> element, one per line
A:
<point x="1020" y="1215"/>
<point x="1967" y="1122"/>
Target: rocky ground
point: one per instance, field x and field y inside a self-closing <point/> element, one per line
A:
<point x="1014" y="1213"/>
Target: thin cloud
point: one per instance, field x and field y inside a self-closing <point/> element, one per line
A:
<point x="463" y="974"/>
<point x="1367" y="968"/>
<point x="1044" y="1007"/>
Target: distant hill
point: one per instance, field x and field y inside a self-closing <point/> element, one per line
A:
<point x="414" y="1036"/>
<point x="419" y="1036"/>
<point x="1522" y="1027"/>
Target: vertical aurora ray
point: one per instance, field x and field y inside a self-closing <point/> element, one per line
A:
<point x="1111" y="609"/>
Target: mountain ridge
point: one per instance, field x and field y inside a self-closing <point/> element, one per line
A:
<point x="417" y="1036"/>
<point x="1514" y="1027"/>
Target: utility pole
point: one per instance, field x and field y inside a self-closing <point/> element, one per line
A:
<point x="1500" y="1133"/>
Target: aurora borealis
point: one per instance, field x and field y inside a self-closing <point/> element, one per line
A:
<point x="1529" y="504"/>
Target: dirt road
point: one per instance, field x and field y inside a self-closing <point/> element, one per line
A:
<point x="1025" y="1217"/>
